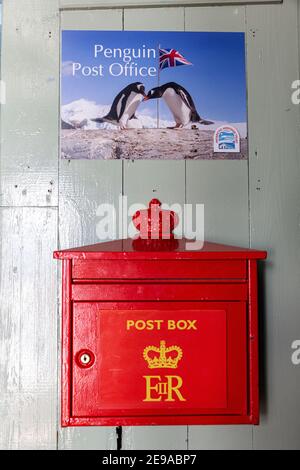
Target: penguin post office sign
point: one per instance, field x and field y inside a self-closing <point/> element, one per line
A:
<point x="153" y="95"/>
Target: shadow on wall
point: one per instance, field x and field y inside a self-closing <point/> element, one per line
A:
<point x="262" y="321"/>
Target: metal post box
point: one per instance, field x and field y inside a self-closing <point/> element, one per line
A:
<point x="161" y="335"/>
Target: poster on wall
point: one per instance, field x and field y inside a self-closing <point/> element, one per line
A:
<point x="153" y="95"/>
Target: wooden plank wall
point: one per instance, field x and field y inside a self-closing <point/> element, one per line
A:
<point x="29" y="231"/>
<point x="273" y="64"/>
<point x="47" y="202"/>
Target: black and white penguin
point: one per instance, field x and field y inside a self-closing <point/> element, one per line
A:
<point x="179" y="101"/>
<point x="124" y="105"/>
<point x="66" y="125"/>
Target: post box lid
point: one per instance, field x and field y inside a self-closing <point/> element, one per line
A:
<point x="159" y="249"/>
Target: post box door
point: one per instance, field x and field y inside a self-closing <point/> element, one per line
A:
<point x="147" y="359"/>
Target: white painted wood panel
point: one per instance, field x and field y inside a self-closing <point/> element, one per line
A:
<point x="91" y="20"/>
<point x="220" y="438"/>
<point x="273" y="64"/>
<point x="143" y="181"/>
<point x="83" y="186"/>
<point x="87" y="438"/>
<point x="29" y="119"/>
<point x="164" y="180"/>
<point x="155" y="438"/>
<point x="222" y="186"/>
<point x="28" y="339"/>
<point x="223" y="18"/>
<point x="152" y="19"/>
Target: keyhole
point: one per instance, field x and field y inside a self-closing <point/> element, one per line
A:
<point x="85" y="358"/>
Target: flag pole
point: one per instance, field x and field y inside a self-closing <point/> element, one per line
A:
<point x="158" y="83"/>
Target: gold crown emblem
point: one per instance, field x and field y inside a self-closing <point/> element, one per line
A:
<point x="166" y="359"/>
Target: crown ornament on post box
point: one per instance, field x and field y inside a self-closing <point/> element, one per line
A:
<point x="155" y="223"/>
<point x="162" y="357"/>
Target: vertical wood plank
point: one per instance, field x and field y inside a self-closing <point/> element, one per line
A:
<point x="164" y="180"/>
<point x="145" y="180"/>
<point x="220" y="438"/>
<point x="273" y="64"/>
<point x="29" y="119"/>
<point x="155" y="438"/>
<point x="83" y="186"/>
<point x="153" y="19"/>
<point x="253" y="340"/>
<point x="87" y="438"/>
<point x="222" y="186"/>
<point x="223" y="18"/>
<point x="91" y="20"/>
<point x="28" y="325"/>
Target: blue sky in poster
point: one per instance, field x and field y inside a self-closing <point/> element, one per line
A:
<point x="216" y="80"/>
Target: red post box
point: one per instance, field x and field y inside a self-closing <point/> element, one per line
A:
<point x="155" y="334"/>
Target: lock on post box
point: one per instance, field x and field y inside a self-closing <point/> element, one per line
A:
<point x="154" y="333"/>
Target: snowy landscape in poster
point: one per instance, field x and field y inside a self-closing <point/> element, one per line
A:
<point x="153" y="95"/>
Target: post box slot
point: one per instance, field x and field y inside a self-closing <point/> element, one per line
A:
<point x="158" y="269"/>
<point x="159" y="292"/>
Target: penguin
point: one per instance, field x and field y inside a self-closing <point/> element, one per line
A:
<point x="124" y="105"/>
<point x="66" y="125"/>
<point x="179" y="101"/>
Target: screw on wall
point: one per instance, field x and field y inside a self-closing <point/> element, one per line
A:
<point x="258" y="187"/>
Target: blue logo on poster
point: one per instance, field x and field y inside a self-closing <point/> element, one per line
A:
<point x="227" y="139"/>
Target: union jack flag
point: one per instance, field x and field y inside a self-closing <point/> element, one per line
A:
<point x="171" y="58"/>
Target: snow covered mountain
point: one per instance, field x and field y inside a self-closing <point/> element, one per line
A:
<point x="80" y="112"/>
